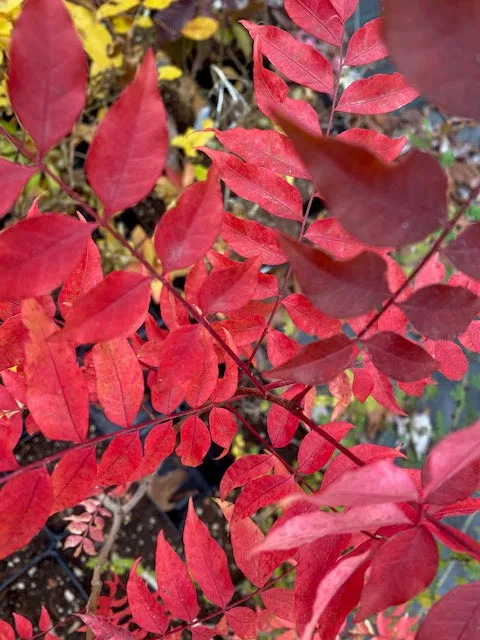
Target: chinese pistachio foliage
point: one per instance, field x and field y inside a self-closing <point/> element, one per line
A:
<point x="368" y="538"/>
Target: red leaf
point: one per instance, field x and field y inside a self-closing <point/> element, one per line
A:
<point x="386" y="149"/>
<point x="375" y="483"/>
<point x="367" y="452"/>
<point x="243" y="470"/>
<point x="330" y="236"/>
<point x="229" y="289"/>
<point x="423" y="37"/>
<point x="339" y="288"/>
<point x="367" y="44"/>
<point x="281" y="602"/>
<point x="73" y="478"/>
<point x="6" y="631"/>
<point x="45" y="621"/>
<point x="318" y="362"/>
<point x="280" y="347"/>
<point x="454" y="539"/>
<point x="455" y="617"/>
<point x="174" y="584"/>
<point x="104" y="629"/>
<point x="319" y="19"/>
<point x="440" y="311"/>
<point x="174" y="314"/>
<point x="25" y="503"/>
<point x="147" y="612"/>
<point x="314" y="451"/>
<point x="380" y="93"/>
<point x="159" y="444"/>
<point x="401" y="569"/>
<point x="119" y="380"/>
<point x="223" y="427"/>
<point x="261" y="492"/>
<point x="206" y="560"/>
<point x="57" y="394"/>
<point x="187" y="231"/>
<point x="383" y="391"/>
<point x="267" y="148"/>
<point x="399" y="358"/>
<point x="59" y="242"/>
<point x="464" y="251"/>
<point x="251" y="239"/>
<point x="281" y="425"/>
<point x="120" y="460"/>
<point x="335" y="586"/>
<point x="127" y="154"/>
<point x="271" y="93"/>
<point x="413" y="192"/>
<point x="201" y="386"/>
<point x="13" y="177"/>
<point x="460" y="508"/>
<point x="115" y="308"/>
<point x="308" y="319"/>
<point x="363" y="384"/>
<point x="194" y="442"/>
<point x="23" y="626"/>
<point x="243" y="621"/>
<point x="10" y="429"/>
<point x="298" y="62"/>
<point x="259" y="185"/>
<point x="453" y="362"/>
<point x="85" y="276"/>
<point x="244" y="536"/>
<point x="47" y="92"/>
<point x="314" y="561"/>
<point x="13" y="334"/>
<point x="447" y="459"/>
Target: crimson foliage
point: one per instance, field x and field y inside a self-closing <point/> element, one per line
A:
<point x="381" y="548"/>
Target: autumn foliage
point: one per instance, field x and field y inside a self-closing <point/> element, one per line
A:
<point x="367" y="540"/>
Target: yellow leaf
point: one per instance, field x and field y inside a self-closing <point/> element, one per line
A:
<point x="10" y="7"/>
<point x="200" y="28"/>
<point x="122" y="24"/>
<point x="200" y="172"/>
<point x="144" y="22"/>
<point x="169" y="72"/>
<point x="158" y="4"/>
<point x="192" y="139"/>
<point x="114" y="7"/>
<point x="96" y="39"/>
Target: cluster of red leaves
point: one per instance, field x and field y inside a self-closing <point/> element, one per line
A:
<point x="380" y="550"/>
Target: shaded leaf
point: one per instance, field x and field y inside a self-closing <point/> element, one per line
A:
<point x="13" y="177"/>
<point x="455" y="617"/>
<point x="318" y="362"/>
<point x="399" y="358"/>
<point x="382" y="205"/>
<point x="423" y="39"/>
<point x="339" y="288"/>
<point x="464" y="251"/>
